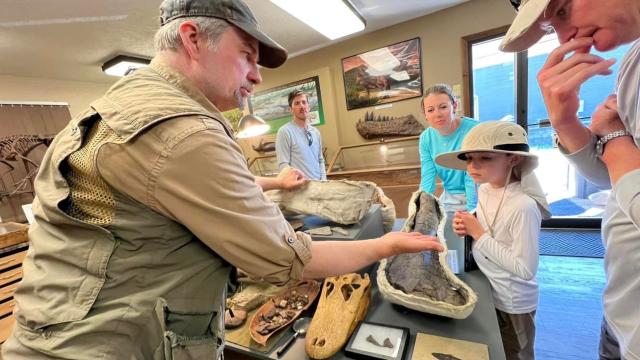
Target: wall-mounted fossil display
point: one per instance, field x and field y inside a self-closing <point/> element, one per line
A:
<point x="381" y="126"/>
<point x="264" y="146"/>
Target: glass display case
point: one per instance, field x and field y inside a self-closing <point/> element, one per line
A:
<point x="265" y="165"/>
<point x="394" y="165"/>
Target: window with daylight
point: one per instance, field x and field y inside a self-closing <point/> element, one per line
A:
<point x="503" y="86"/>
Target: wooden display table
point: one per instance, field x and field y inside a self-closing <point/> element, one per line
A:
<point x="481" y="326"/>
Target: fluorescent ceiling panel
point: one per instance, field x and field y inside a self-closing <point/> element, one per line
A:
<point x="332" y="18"/>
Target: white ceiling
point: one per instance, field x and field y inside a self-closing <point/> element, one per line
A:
<point x="71" y="39"/>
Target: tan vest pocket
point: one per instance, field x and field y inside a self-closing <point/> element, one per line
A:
<point x="190" y="348"/>
<point x="189" y="333"/>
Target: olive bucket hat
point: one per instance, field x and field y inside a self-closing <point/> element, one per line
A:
<point x="235" y="12"/>
<point x="525" y="29"/>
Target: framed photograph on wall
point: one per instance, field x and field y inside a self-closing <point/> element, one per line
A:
<point x="377" y="341"/>
<point x="384" y="75"/>
<point x="272" y="105"/>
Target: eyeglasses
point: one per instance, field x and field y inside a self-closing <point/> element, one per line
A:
<point x="309" y="137"/>
<point x="515" y="4"/>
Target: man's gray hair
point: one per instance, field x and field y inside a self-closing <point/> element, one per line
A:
<point x="168" y="36"/>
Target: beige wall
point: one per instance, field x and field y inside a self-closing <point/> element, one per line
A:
<point x="440" y="35"/>
<point x="78" y="94"/>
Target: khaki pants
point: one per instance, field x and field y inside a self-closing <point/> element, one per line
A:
<point x="518" y="333"/>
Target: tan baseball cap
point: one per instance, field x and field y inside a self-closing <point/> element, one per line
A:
<point x="235" y="12"/>
<point x="492" y="136"/>
<point x="525" y="29"/>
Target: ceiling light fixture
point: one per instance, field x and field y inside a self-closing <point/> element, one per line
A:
<point x="251" y="125"/>
<point x="332" y="18"/>
<point x="122" y="65"/>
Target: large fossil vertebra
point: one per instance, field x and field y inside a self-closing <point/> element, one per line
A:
<point x="423" y="281"/>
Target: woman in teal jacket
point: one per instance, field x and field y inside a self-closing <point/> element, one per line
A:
<point x="444" y="134"/>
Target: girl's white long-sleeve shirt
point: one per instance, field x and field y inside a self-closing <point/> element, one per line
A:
<point x="509" y="258"/>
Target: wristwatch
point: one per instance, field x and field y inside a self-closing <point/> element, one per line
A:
<point x="605" y="139"/>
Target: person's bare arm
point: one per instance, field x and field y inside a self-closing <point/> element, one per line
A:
<point x="560" y="79"/>
<point x="330" y="258"/>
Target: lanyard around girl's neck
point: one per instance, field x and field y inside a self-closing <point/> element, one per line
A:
<point x="495" y="216"/>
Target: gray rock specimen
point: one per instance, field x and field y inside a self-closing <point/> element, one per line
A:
<point x="342" y="201"/>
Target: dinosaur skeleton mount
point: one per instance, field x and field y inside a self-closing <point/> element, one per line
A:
<point x="14" y="154"/>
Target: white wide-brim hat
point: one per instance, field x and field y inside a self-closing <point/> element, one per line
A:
<point x="492" y="136"/>
<point x="525" y="29"/>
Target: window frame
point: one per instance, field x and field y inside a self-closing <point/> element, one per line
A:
<point x="521" y="65"/>
<point x="521" y="86"/>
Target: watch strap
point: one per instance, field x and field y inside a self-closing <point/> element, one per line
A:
<point x="608" y="137"/>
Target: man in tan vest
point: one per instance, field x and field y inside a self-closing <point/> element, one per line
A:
<point x="144" y="203"/>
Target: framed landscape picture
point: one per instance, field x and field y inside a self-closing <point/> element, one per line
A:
<point x="384" y="75"/>
<point x="272" y="105"/>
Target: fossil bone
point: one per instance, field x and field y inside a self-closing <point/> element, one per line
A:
<point x="323" y="230"/>
<point x="234" y="318"/>
<point x="441" y="356"/>
<point x="340" y="230"/>
<point x="282" y="309"/>
<point x="372" y="340"/>
<point x="388" y="209"/>
<point x="343" y="304"/>
<point x="342" y="201"/>
<point x="423" y="281"/>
